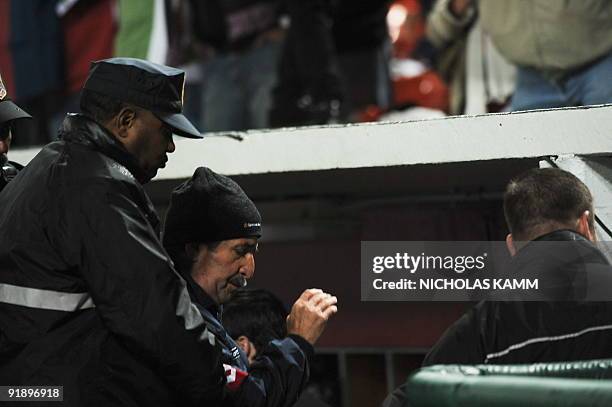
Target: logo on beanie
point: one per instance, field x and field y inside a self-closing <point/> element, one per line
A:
<point x="247" y="225"/>
<point x="2" y="90"/>
<point x="183" y="92"/>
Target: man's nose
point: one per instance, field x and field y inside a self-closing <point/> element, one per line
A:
<point x="248" y="268"/>
<point x="171" y="147"/>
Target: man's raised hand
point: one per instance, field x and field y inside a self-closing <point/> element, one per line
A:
<point x="310" y="314"/>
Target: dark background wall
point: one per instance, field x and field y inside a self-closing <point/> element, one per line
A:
<point x="314" y="223"/>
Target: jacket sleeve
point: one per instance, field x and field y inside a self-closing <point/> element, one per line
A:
<point x="313" y="50"/>
<point x="443" y="27"/>
<point x="278" y="375"/>
<point x="136" y="291"/>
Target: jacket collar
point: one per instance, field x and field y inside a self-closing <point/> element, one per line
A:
<point x="211" y="312"/>
<point x="199" y="296"/>
<point x="564" y="235"/>
<point x="80" y="129"/>
<point x="572" y="247"/>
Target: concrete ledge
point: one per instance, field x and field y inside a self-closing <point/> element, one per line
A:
<point x="517" y="135"/>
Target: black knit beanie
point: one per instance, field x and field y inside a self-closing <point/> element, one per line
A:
<point x="209" y="207"/>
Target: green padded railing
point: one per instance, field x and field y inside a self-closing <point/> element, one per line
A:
<point x="541" y="384"/>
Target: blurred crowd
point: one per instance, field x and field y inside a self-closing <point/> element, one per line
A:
<point x="274" y="63"/>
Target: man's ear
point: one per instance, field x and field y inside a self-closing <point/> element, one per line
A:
<point x="247" y="347"/>
<point x="583" y="226"/>
<point x="510" y="244"/>
<point x="124" y="121"/>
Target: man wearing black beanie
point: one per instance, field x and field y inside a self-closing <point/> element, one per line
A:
<point x="211" y="233"/>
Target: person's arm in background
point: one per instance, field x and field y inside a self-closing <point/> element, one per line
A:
<point x="443" y="48"/>
<point x="449" y="21"/>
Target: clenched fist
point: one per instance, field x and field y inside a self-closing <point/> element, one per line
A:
<point x="310" y="313"/>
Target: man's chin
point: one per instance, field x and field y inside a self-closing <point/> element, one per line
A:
<point x="148" y="175"/>
<point x="225" y="295"/>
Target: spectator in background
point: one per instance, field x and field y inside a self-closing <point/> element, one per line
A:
<point x="31" y="62"/>
<point x="244" y="38"/>
<point x="335" y="61"/>
<point x="48" y="46"/>
<point x="562" y="49"/>
<point x="142" y="30"/>
<point x="88" y="32"/>
<point x="418" y="91"/>
<point x="98" y="29"/>
<point x="9" y="114"/>
<point x="480" y="80"/>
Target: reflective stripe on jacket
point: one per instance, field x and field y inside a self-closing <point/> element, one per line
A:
<point x="77" y="229"/>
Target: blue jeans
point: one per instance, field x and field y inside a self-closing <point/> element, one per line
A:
<point x="238" y="88"/>
<point x="589" y="86"/>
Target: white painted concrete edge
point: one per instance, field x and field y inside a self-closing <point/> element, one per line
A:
<point x="531" y="134"/>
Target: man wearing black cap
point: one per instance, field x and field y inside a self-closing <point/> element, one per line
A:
<point x="89" y="299"/>
<point x="211" y="233"/>
<point x="9" y="112"/>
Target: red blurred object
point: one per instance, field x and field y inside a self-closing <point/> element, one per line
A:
<point x="426" y="90"/>
<point x="89" y="33"/>
<point x="370" y="114"/>
<point x="234" y="377"/>
<point x="406" y="26"/>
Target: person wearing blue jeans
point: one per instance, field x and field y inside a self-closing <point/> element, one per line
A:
<point x="562" y="49"/>
<point x="237" y="89"/>
<point x="244" y="38"/>
<point x="590" y="85"/>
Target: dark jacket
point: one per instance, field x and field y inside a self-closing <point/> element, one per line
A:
<point x="233" y="25"/>
<point x="277" y="376"/>
<point x="89" y="299"/>
<point x="310" y="77"/>
<point x="530" y="332"/>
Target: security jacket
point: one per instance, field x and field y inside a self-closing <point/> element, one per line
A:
<point x="89" y="299"/>
<point x="277" y="376"/>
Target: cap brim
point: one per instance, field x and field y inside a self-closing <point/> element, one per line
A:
<point x="179" y="124"/>
<point x="10" y="111"/>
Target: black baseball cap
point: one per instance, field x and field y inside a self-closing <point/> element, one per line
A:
<point x="210" y="207"/>
<point x="8" y="109"/>
<point x="157" y="88"/>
